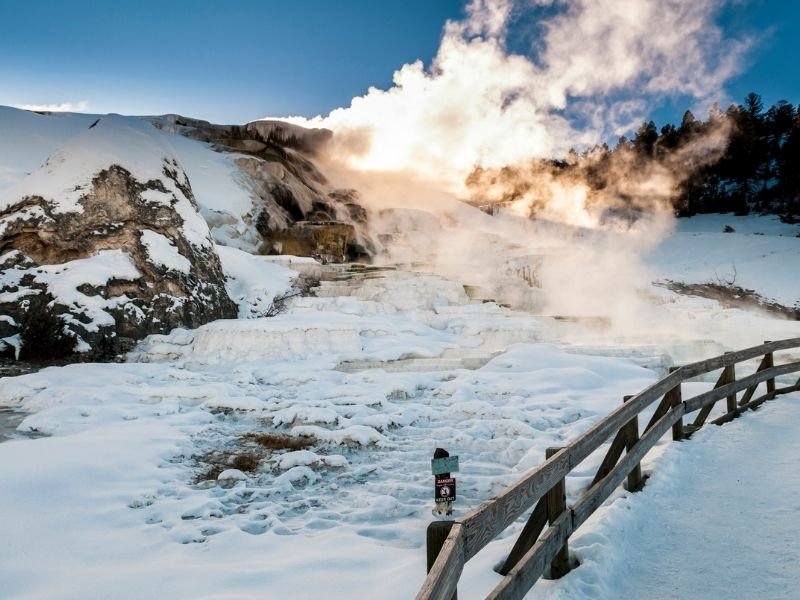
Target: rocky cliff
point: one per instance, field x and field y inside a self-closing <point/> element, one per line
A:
<point x="109" y="224"/>
<point x="104" y="245"/>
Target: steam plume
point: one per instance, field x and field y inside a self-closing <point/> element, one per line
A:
<point x="473" y="123"/>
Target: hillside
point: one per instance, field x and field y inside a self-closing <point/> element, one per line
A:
<point x="108" y="223"/>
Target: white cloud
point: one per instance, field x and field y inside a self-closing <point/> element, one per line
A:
<point x="602" y="64"/>
<point x="81" y="106"/>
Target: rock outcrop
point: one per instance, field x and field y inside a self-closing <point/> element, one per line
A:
<point x="122" y="254"/>
<point x="107" y="241"/>
<point x="295" y="210"/>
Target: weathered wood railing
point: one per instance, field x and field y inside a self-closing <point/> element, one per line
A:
<point x="452" y="543"/>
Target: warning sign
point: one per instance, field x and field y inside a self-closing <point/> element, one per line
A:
<point x="446" y="489"/>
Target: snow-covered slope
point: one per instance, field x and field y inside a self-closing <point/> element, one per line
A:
<point x="760" y="254"/>
<point x="244" y="187"/>
<point x="27" y="139"/>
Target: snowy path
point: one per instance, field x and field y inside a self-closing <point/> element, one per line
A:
<point x="719" y="518"/>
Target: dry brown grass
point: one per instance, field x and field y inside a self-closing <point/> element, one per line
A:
<point x="252" y="448"/>
<point x="279" y="441"/>
<point x="245" y="461"/>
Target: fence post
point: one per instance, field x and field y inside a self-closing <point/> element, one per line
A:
<point x="557" y="504"/>
<point x="675" y="398"/>
<point x="635" y="480"/>
<point x="769" y="362"/>
<point x="435" y="537"/>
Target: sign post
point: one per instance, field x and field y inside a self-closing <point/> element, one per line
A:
<point x="444" y="486"/>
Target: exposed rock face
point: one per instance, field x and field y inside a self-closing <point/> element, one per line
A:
<point x="106" y="242"/>
<point x="133" y="258"/>
<point x="295" y="210"/>
<point x="256" y="137"/>
<point x="329" y="241"/>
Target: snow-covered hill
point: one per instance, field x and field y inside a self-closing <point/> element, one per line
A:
<point x="237" y="173"/>
<point x="108" y="223"/>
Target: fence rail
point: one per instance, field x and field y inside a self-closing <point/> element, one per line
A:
<point x="540" y="547"/>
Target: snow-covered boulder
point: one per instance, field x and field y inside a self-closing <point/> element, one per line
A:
<point x="107" y="238"/>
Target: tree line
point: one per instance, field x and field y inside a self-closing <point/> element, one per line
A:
<point x="756" y="169"/>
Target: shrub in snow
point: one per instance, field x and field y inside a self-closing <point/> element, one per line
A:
<point x="43" y="333"/>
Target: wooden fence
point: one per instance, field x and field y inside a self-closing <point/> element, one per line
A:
<point x="452" y="543"/>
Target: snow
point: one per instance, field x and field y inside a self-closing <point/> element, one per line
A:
<point x="761" y="255"/>
<point x="254" y="281"/>
<point x="214" y="175"/>
<point x="57" y="155"/>
<point x="129" y="142"/>
<point x="67" y="173"/>
<point x="364" y="484"/>
<point x="161" y="251"/>
<point x="718" y="515"/>
<point x="27" y="139"/>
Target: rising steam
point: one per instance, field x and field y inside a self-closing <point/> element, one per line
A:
<point x="472" y="125"/>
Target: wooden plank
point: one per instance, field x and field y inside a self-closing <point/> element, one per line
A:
<point x="612" y="456"/>
<point x="442" y="580"/>
<point x="557" y="506"/>
<point x="598" y="493"/>
<point x="718" y="362"/>
<point x="660" y="411"/>
<point x="727" y="417"/>
<point x="484" y="523"/>
<point x="597" y="435"/>
<point x="788" y="390"/>
<point x="435" y="537"/>
<point x="706" y="410"/>
<point x="527" y="538"/>
<point x="754" y="404"/>
<point x="528" y="571"/>
<point x="700" y="419"/>
<point x="748" y="393"/>
<point x="712" y="396"/>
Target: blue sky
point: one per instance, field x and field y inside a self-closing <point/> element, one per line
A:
<point x="258" y="58"/>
